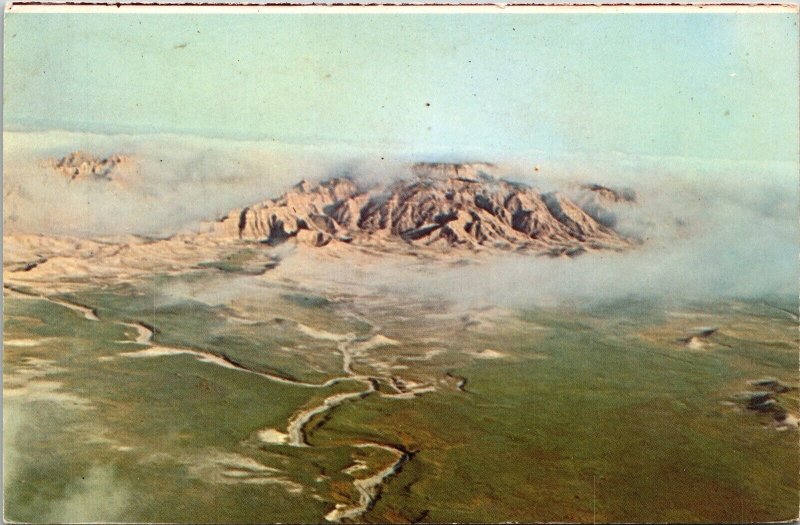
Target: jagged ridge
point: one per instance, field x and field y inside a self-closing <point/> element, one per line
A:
<point x="442" y="205"/>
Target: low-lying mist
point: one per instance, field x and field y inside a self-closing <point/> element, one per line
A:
<point x="172" y="183"/>
<point x="708" y="228"/>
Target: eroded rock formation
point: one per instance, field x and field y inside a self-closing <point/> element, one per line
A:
<point x="441" y="205"/>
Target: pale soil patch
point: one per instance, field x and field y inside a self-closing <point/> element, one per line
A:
<point x="231" y="468"/>
<point x="116" y="259"/>
<point x="489" y="353"/>
<point x="31" y="368"/>
<point x="321" y="334"/>
<point x="23" y="342"/>
<point x="160" y="351"/>
<point x="696" y="343"/>
<point x="25" y="384"/>
<point x="272" y="436"/>
<point x="789" y="422"/>
<point x="376" y="341"/>
<point x="143" y="334"/>
<point x="358" y="464"/>
<point x="427" y="356"/>
<point x="47" y="391"/>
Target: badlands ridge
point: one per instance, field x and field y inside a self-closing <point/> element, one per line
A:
<point x="446" y="206"/>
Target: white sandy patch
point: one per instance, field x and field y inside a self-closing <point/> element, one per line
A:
<point x="791" y="421"/>
<point x="427" y="356"/>
<point x="23" y="342"/>
<point x="696" y="343"/>
<point x="161" y="351"/>
<point x="406" y="395"/>
<point x="143" y="334"/>
<point x="489" y="353"/>
<point x="232" y="468"/>
<point x="321" y="334"/>
<point x="231" y="460"/>
<point x="244" y="463"/>
<point x="237" y="473"/>
<point x="357" y="465"/>
<point x="157" y="351"/>
<point x="272" y="436"/>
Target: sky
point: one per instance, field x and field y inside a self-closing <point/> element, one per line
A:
<point x="686" y="85"/>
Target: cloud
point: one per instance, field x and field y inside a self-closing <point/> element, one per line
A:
<point x="97" y="496"/>
<point x="172" y="184"/>
<point x="709" y="227"/>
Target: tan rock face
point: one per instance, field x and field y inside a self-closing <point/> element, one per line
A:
<point x="443" y="205"/>
<point x="306" y="207"/>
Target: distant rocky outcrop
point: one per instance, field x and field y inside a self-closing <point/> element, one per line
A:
<point x="602" y="202"/>
<point x="606" y="194"/>
<point x="441" y="205"/>
<point x="80" y="165"/>
<point x="768" y="398"/>
<point x="699" y="339"/>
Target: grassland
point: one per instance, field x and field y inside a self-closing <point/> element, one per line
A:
<point x="578" y="414"/>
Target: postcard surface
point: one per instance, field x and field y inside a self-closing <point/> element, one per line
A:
<point x="409" y="264"/>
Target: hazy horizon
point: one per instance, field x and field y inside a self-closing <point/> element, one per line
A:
<point x="685" y="85"/>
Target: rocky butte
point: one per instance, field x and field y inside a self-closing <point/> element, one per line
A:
<point x="441" y="206"/>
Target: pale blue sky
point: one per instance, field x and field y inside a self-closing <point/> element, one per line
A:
<point x="699" y="85"/>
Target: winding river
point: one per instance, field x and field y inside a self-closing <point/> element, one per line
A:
<point x="368" y="488"/>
